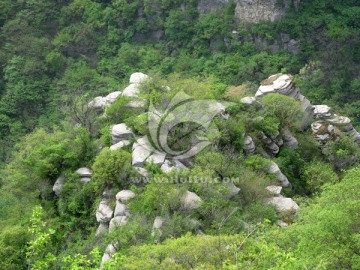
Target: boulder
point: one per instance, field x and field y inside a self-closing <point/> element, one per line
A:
<point x="85" y="180"/>
<point x="132" y="90"/>
<point x="60" y="181"/>
<point x="171" y="165"/>
<point x="282" y="224"/>
<point x="234" y="190"/>
<point x="284" y="204"/>
<point x="102" y="229"/>
<point x="248" y="100"/>
<point x="274" y="168"/>
<point x="104" y="212"/>
<point x="289" y="139"/>
<point x="120" y="209"/>
<point x="98" y="103"/>
<point x="138" y="77"/>
<point x="142" y="149"/>
<point x="249" y="145"/>
<point x="142" y="171"/>
<point x="157" y="226"/>
<point x="84" y="172"/>
<point x="157" y="157"/>
<point x="120" y="145"/>
<point x="322" y="111"/>
<point x="125" y="195"/>
<point x="120" y="132"/>
<point x="191" y="201"/>
<point x="110" y="98"/>
<point x="274" y="190"/>
<point x="117" y="222"/>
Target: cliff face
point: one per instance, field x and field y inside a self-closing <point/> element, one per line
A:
<point x="252" y="10"/>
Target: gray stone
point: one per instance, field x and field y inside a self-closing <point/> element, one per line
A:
<point x="125" y="195"/>
<point x="138" y="77"/>
<point x="282" y="224"/>
<point x="120" y="209"/>
<point x="110" y="98"/>
<point x="248" y="100"/>
<point x="274" y="168"/>
<point x="132" y="90"/>
<point x="120" y="132"/>
<point x="284" y="204"/>
<point x="249" y="145"/>
<point x="98" y="103"/>
<point x="289" y="139"/>
<point x="117" y="222"/>
<point x="60" y="181"/>
<point x="234" y="190"/>
<point x="84" y="172"/>
<point x="102" y="229"/>
<point x="172" y="165"/>
<point x="191" y="201"/>
<point x="104" y="212"/>
<point x="322" y="111"/>
<point x="157" y="157"/>
<point x="120" y="145"/>
<point x="274" y="190"/>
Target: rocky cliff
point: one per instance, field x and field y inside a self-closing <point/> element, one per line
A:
<point x="252" y="10"/>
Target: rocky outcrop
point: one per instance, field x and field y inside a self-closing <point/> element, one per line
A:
<point x="274" y="168"/>
<point x="331" y="126"/>
<point x="104" y="212"/>
<point x="251" y="10"/>
<point x="157" y="227"/>
<point x="131" y="91"/>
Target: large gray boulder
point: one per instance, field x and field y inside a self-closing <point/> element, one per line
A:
<point x="142" y="149"/>
<point x="125" y="195"/>
<point x="120" y="133"/>
<point x="249" y="145"/>
<point x="104" y="212"/>
<point x="138" y="77"/>
<point x="98" y="103"/>
<point x="132" y="90"/>
<point x="112" y="97"/>
<point x="274" y="190"/>
<point x="274" y="168"/>
<point x="284" y="204"/>
<point x="120" y="209"/>
<point x="191" y="201"/>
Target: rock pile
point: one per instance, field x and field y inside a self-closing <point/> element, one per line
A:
<point x="330" y="126"/>
<point x="132" y="91"/>
<point x="110" y="219"/>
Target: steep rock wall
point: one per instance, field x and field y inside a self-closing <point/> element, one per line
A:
<point x="252" y="10"/>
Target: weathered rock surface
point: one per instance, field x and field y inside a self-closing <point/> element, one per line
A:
<point x="289" y="139"/>
<point x="138" y="77"/>
<point x="117" y="222"/>
<point x="171" y="165"/>
<point x="157" y="226"/>
<point x="57" y="188"/>
<point x="85" y="174"/>
<point x="284" y="204"/>
<point x="102" y="229"/>
<point x="274" y="168"/>
<point x="120" y="210"/>
<point x="274" y="190"/>
<point x="104" y="212"/>
<point x="249" y="145"/>
<point x="125" y="195"/>
<point x="120" y="132"/>
<point x="191" y="201"/>
<point x="120" y="145"/>
<point x="234" y="190"/>
<point x="248" y="100"/>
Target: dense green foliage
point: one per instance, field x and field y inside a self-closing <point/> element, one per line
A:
<point x="55" y="56"/>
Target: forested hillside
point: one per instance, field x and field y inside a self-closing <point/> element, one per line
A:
<point x="66" y="102"/>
